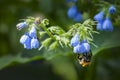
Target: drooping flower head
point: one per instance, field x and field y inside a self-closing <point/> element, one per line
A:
<point x="82" y="48"/>
<point x="112" y="9"/>
<point x="72" y="12"/>
<point x="78" y="17"/>
<point x="21" y="25"/>
<point x="99" y="17"/>
<point x="107" y="24"/>
<point x="34" y="43"/>
<point x="33" y="32"/>
<point x="75" y="40"/>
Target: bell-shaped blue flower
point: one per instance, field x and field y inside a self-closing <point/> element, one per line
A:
<point x="21" y="25"/>
<point x="99" y="17"/>
<point x="79" y="49"/>
<point x="25" y="38"/>
<point x="34" y="43"/>
<point x="100" y="26"/>
<point x="75" y="40"/>
<point x="78" y="17"/>
<point x="72" y="11"/>
<point x="112" y="9"/>
<point x="107" y="25"/>
<point x="27" y="44"/>
<point x="86" y="47"/>
<point x="32" y="32"/>
<point x="82" y="47"/>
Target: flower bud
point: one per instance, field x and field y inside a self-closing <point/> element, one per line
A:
<point x="21" y="25"/>
<point x="112" y="9"/>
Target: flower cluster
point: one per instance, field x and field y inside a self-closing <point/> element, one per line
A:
<point x="105" y="24"/>
<point x="29" y="39"/>
<point x="73" y="12"/>
<point x="80" y="42"/>
<point x="79" y="47"/>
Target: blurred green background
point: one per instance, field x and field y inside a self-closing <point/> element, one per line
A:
<point x="16" y="63"/>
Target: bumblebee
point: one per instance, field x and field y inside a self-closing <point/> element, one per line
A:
<point x="84" y="59"/>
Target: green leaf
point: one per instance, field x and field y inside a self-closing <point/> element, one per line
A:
<point x="106" y="40"/>
<point x="10" y="60"/>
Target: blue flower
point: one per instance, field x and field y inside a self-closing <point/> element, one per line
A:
<point x="78" y="17"/>
<point x="99" y="17"/>
<point x="21" y="25"/>
<point x="112" y="9"/>
<point x="72" y="12"/>
<point x="86" y="47"/>
<point x="79" y="49"/>
<point x="100" y="26"/>
<point x="75" y="40"/>
<point x="27" y="44"/>
<point x="107" y="24"/>
<point x="34" y="43"/>
<point x="82" y="48"/>
<point x="25" y="38"/>
<point x="32" y="32"/>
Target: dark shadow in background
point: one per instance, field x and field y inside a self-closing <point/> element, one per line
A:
<point x="35" y="70"/>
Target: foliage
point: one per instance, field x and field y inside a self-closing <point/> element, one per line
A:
<point x="55" y="34"/>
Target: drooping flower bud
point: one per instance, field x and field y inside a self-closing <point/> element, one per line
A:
<point x="21" y="25"/>
<point x="112" y="9"/>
